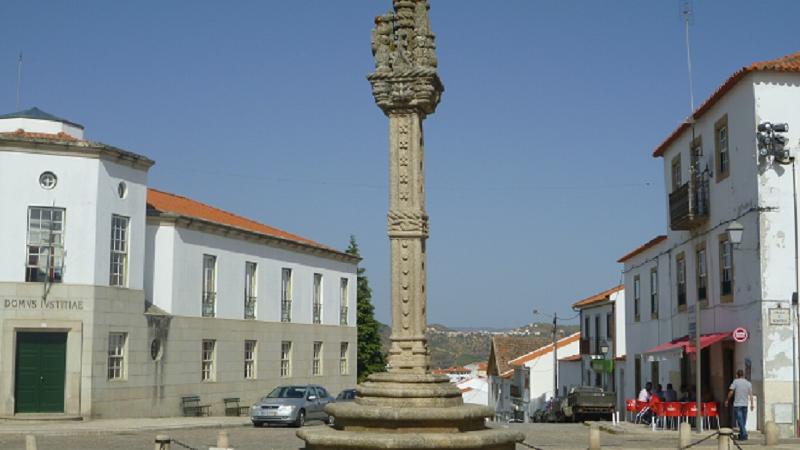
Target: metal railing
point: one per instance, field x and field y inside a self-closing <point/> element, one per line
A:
<point x="343" y="312"/>
<point x="249" y="307"/>
<point x="286" y="310"/>
<point x="317" y="312"/>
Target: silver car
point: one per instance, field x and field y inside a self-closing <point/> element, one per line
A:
<point x="291" y="405"/>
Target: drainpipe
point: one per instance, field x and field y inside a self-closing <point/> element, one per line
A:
<point x="794" y="304"/>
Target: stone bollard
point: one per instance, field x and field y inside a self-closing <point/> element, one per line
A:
<point x="771" y="434"/>
<point x="162" y="442"/>
<point x="222" y="439"/>
<point x="724" y="442"/>
<point x="30" y="442"/>
<point x="594" y="438"/>
<point x="684" y="434"/>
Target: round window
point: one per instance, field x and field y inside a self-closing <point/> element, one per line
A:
<point x="155" y="349"/>
<point x="48" y="180"/>
<point x="122" y="189"/>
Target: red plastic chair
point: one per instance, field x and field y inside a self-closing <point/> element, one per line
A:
<point x="689" y="409"/>
<point x="631" y="408"/>
<point x="657" y="408"/>
<point x="673" y="412"/>
<point x="711" y="409"/>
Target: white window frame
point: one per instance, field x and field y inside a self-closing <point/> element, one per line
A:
<point x="208" y="307"/>
<point x="316" y="360"/>
<point x="208" y="360"/>
<point x="45" y="244"/>
<point x="250" y="349"/>
<point x="117" y="348"/>
<point x="118" y="269"/>
<point x="316" y="306"/>
<point x="286" y="294"/>
<point x="344" y="310"/>
<point x="250" y="289"/>
<point x="344" y="358"/>
<point x="637" y="298"/>
<point x="286" y="359"/>
<point x="654" y="293"/>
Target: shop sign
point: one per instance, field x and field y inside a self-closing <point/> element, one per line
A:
<point x="740" y="334"/>
<point x="780" y="316"/>
<point x="31" y="304"/>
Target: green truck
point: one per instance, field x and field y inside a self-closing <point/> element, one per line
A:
<point x="588" y="402"/>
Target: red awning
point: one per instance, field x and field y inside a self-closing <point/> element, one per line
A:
<point x="685" y="345"/>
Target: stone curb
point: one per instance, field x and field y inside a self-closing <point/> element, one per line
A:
<point x="112" y="426"/>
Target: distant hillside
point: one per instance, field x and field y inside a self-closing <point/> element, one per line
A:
<point x="457" y="347"/>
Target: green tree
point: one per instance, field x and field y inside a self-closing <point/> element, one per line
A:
<point x="370" y="351"/>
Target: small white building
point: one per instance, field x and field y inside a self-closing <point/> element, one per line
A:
<point x="715" y="176"/>
<point x="115" y="294"/>
<point x="540" y="365"/>
<point x="602" y="346"/>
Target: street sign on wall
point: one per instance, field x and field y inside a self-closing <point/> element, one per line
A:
<point x="780" y="316"/>
<point x="740" y="334"/>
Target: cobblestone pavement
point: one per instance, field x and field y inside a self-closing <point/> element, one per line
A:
<point x="107" y="435"/>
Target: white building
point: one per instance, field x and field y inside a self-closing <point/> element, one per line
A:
<point x="540" y="367"/>
<point x="602" y="346"/>
<point x="112" y="293"/>
<point x="715" y="176"/>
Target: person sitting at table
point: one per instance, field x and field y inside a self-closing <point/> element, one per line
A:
<point x="644" y="394"/>
<point x="659" y="392"/>
<point x="670" y="395"/>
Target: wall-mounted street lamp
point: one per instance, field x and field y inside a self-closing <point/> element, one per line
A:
<point x="735" y="231"/>
<point x="604" y="348"/>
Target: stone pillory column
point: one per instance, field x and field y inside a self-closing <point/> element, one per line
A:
<point x="407" y="407"/>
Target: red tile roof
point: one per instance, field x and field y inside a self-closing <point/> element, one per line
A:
<point x="788" y="63"/>
<point x="572" y="338"/>
<point x="647" y="245"/>
<point x="597" y="298"/>
<point x="164" y="202"/>
<point x="61" y="136"/>
<point x="506" y="348"/>
<point x="571" y="358"/>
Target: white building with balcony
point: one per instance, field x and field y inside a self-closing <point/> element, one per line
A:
<point x="716" y="177"/>
<point x="112" y="293"/>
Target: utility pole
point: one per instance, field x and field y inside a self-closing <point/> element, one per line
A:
<point x="555" y="356"/>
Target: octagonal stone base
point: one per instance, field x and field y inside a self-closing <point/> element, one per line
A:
<point x="405" y="412"/>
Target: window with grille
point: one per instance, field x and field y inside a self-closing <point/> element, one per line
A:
<point x="316" y="363"/>
<point x="676" y="172"/>
<point x="119" y="251"/>
<point x="116" y="356"/>
<point x="723" y="156"/>
<point x="702" y="275"/>
<point x="286" y="358"/>
<point x="286" y="295"/>
<point x="654" y="293"/>
<point x="344" y="366"/>
<point x="343" y="295"/>
<point x="209" y="285"/>
<point x="250" y="290"/>
<point x="726" y="268"/>
<point x="317" y="298"/>
<point x="680" y="279"/>
<point x="637" y="293"/>
<point x="209" y="354"/>
<point x="249" y="360"/>
<point x="45" y="249"/>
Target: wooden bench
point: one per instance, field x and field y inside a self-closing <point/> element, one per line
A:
<point x="191" y="406"/>
<point x="232" y="407"/>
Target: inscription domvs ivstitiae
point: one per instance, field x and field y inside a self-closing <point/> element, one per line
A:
<point x="38" y="303"/>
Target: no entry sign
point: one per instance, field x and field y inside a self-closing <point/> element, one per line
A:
<point x="740" y="334"/>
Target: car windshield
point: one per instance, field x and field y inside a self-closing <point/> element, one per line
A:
<point x="287" y="392"/>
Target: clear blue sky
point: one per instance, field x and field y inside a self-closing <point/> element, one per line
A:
<point x="538" y="158"/>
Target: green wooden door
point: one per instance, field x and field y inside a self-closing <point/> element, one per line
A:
<point x="40" y="372"/>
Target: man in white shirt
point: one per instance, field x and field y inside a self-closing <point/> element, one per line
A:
<point x="742" y="393"/>
<point x="644" y="394"/>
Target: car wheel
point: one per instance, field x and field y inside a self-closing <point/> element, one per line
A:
<point x="258" y="424"/>
<point x="301" y="418"/>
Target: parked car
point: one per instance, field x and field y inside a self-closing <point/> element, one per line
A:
<point x="585" y="402"/>
<point x="347" y="395"/>
<point x="291" y="405"/>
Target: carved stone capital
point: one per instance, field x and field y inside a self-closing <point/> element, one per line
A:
<point x="408" y="224"/>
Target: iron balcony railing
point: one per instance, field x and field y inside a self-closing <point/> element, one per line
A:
<point x="286" y="310"/>
<point x="689" y="205"/>
<point x="343" y="312"/>
<point x="249" y="307"/>
<point x="209" y="299"/>
<point x="317" y="312"/>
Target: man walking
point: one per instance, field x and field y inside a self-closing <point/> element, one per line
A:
<point x="742" y="393"/>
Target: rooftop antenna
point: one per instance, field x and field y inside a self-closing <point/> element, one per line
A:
<point x="19" y="80"/>
<point x="687" y="12"/>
